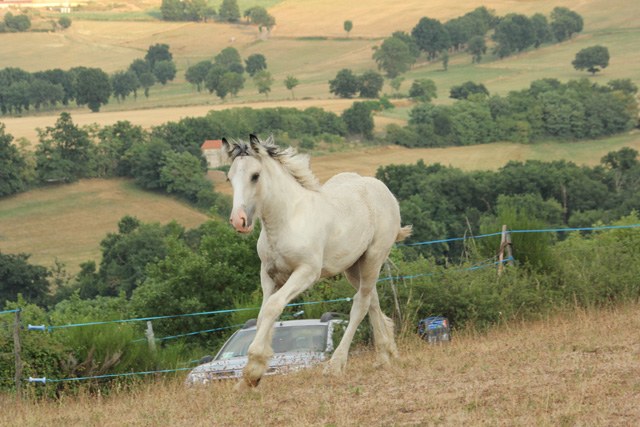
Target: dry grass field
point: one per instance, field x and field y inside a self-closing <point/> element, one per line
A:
<point x="575" y="368"/>
<point x="68" y="222"/>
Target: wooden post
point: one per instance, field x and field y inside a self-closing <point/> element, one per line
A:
<point x="16" y="351"/>
<point x="501" y="250"/>
<point x="151" y="338"/>
<point x="509" y="252"/>
<point x="395" y="294"/>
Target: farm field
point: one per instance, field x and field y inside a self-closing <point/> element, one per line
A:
<point x="309" y="43"/>
<point x="68" y="222"/>
<point x="572" y="368"/>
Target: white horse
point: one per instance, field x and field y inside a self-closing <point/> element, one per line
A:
<point x="310" y="232"/>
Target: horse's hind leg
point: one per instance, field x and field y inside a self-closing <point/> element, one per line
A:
<point x="382" y="332"/>
<point x="367" y="270"/>
<point x="382" y="325"/>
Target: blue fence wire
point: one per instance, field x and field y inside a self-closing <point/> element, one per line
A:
<point x="451" y="271"/>
<point x="611" y="227"/>
<point x="11" y="311"/>
<point x="50" y="328"/>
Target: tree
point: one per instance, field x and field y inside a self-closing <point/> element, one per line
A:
<point x="230" y="59"/>
<point x="359" y="120"/>
<point x="146" y="81"/>
<point x="565" y="23"/>
<point x="393" y="56"/>
<point x="291" y="82"/>
<point x="348" y="26"/>
<point x="591" y="58"/>
<point x="263" y="81"/>
<point x="12" y="165"/>
<point x="514" y="33"/>
<point x="18" y="276"/>
<point x="212" y="81"/>
<point x="467" y="88"/>
<point x="230" y="82"/>
<point x="156" y="53"/>
<point x="431" y="36"/>
<point x="17" y="22"/>
<point x="64" y="153"/>
<point x="44" y="93"/>
<point x="255" y="63"/>
<point x="477" y="47"/>
<point x="172" y="10"/>
<point x="541" y="29"/>
<point x="124" y="83"/>
<point x="64" y="22"/>
<point x="445" y="60"/>
<point x="92" y="88"/>
<point x="423" y="90"/>
<point x="258" y="15"/>
<point x="396" y="83"/>
<point x="370" y="84"/>
<point x="164" y="71"/>
<point x="195" y="10"/>
<point x="229" y="10"/>
<point x="140" y="66"/>
<point x="345" y="84"/>
<point x="196" y="74"/>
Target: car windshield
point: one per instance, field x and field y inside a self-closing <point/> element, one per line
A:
<point x="286" y="339"/>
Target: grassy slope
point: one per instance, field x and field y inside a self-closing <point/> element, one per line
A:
<point x="67" y="222"/>
<point x="568" y="369"/>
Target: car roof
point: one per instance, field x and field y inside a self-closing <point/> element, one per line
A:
<point x="286" y="323"/>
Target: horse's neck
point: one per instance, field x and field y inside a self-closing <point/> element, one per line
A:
<point x="280" y="199"/>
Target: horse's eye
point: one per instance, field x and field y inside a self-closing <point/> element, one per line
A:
<point x="254" y="177"/>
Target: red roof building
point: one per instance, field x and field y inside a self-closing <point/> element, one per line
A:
<point x="212" y="150"/>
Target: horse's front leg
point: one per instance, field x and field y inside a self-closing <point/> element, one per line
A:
<point x="299" y="281"/>
<point x="268" y="287"/>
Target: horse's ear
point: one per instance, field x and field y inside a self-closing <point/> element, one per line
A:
<point x="256" y="145"/>
<point x="226" y="150"/>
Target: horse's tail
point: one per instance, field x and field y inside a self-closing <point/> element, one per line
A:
<point x="404" y="233"/>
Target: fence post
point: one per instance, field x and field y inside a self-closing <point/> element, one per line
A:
<point x="505" y="242"/>
<point x="16" y="350"/>
<point x="395" y="294"/>
<point x="151" y="338"/>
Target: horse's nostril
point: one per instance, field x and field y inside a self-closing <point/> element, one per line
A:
<point x="244" y="223"/>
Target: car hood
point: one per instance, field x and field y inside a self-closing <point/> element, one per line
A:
<point x="232" y="368"/>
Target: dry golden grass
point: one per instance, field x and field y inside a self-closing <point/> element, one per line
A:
<point x="379" y="18"/>
<point x="578" y="368"/>
<point x="68" y="222"/>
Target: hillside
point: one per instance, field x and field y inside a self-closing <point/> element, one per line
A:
<point x="68" y="222"/>
<point x="309" y="43"/>
<point x="578" y="368"/>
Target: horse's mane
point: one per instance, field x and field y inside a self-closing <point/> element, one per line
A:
<point x="296" y="164"/>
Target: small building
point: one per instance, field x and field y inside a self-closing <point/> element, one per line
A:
<point x="212" y="150"/>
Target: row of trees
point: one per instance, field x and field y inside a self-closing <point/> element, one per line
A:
<point x="570" y="111"/>
<point x="199" y="10"/>
<point x="168" y="158"/>
<point x="512" y="33"/>
<point x="21" y="90"/>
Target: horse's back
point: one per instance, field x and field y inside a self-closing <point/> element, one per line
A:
<point x="352" y="192"/>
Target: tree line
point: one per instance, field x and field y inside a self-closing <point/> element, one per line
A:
<point x="548" y="109"/>
<point x="21" y="90"/>
<point x="199" y="10"/>
<point x="512" y="33"/>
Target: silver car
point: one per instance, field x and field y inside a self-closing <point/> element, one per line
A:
<point x="296" y="344"/>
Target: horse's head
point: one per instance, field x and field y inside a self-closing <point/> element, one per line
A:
<point x="244" y="175"/>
